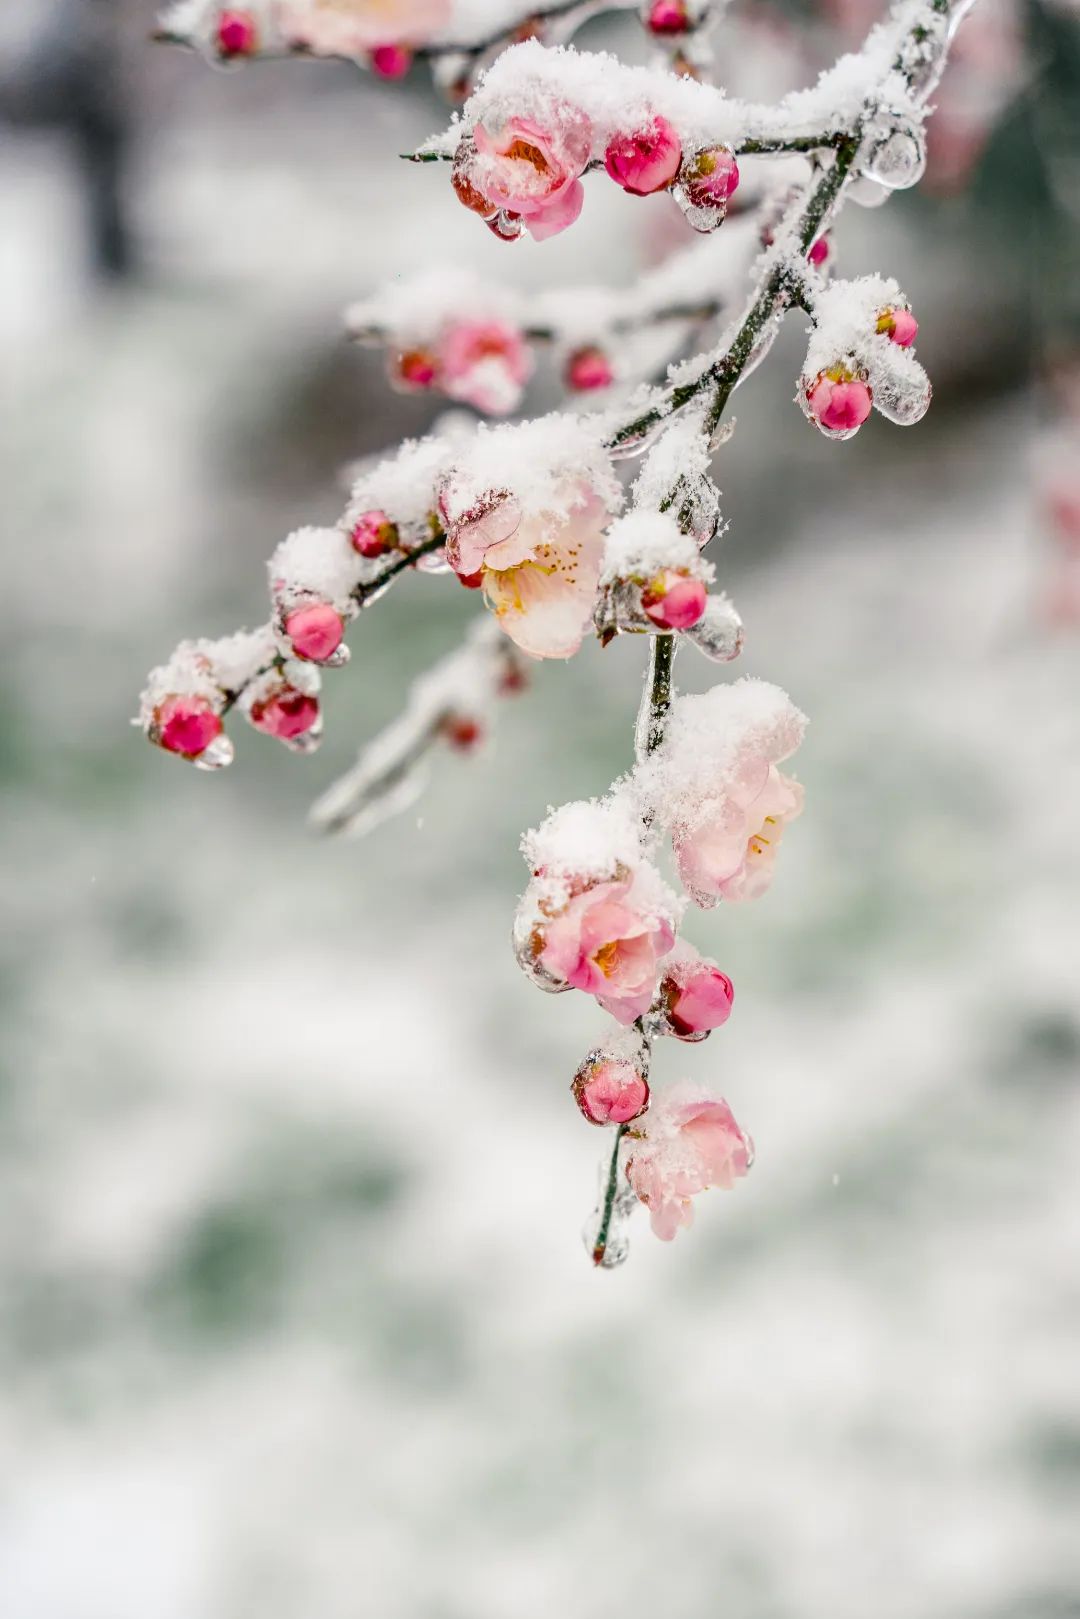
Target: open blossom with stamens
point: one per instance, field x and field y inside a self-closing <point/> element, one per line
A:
<point x="355" y="27"/>
<point x="485" y="363"/>
<point x="609" y="943"/>
<point x="645" y="160"/>
<point x="686" y="1143"/>
<point x="731" y="853"/>
<point x="528" y="169"/>
<point x="538" y="570"/>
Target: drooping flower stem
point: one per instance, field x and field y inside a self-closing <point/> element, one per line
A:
<point x="600" y="1245"/>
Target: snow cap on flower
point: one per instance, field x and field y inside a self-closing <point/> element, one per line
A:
<point x="526" y="166"/>
<point x="525" y="508"/>
<point x="403" y="488"/>
<point x="713" y="783"/>
<point x="596" y="915"/>
<point x="686" y="1143"/>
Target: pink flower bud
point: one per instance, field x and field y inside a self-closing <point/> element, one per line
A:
<point x="373" y="533"/>
<point x="700" y="1000"/>
<point x="186" y="725"/>
<point x="667" y="17"/>
<point x="710" y="178"/>
<point x="315" y="631"/>
<point x="587" y="369"/>
<point x="839" y="402"/>
<point x="463" y="732"/>
<point x="646" y="161"/>
<point x="415" y="368"/>
<point x="674" y="601"/>
<point x="819" y="253"/>
<point x="390" y="61"/>
<point x="899" y="326"/>
<point x="610" y="1091"/>
<point x="237" y="34"/>
<point x="286" y="714"/>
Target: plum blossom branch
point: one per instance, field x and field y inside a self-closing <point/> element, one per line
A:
<point x="534" y="516"/>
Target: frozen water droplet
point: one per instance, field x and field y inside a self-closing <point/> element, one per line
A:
<point x="308" y="741"/>
<point x="215" y="757"/>
<point x="893" y="153"/>
<point x="867" y="193"/>
<point x="703" y="217"/>
<point x="901" y="387"/>
<point x="630" y="447"/>
<point x="433" y="562"/>
<point x="719" y="633"/>
<point x="616" y="1246"/>
<point x="527" y="947"/>
<point x="337" y="659"/>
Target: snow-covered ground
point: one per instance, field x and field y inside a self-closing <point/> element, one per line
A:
<point x="297" y="1320"/>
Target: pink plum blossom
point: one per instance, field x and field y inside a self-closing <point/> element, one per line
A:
<point x="688" y="1142"/>
<point x="711" y="177"/>
<point x="530" y="170"/>
<point x="315" y="631"/>
<point x="286" y="714"/>
<point x="646" y="160"/>
<point x="697" y="996"/>
<point x="186" y="725"/>
<point x="237" y="33"/>
<point x="373" y="534"/>
<point x="899" y="326"/>
<point x="390" y="61"/>
<point x="358" y="27"/>
<point x="485" y="363"/>
<point x="539" y="574"/>
<point x="667" y="17"/>
<point x="839" y="401"/>
<point x="729" y="852"/>
<point x="674" y="600"/>
<point x="609" y="1090"/>
<point x="588" y="369"/>
<point x="604" y="943"/>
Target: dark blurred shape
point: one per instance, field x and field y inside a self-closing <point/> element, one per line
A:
<point x="69" y="77"/>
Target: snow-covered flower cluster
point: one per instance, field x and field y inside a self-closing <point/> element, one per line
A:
<point x="536" y="516"/>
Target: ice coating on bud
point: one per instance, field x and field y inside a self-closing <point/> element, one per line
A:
<point x="390" y="61"/>
<point x="588" y="369"/>
<point x="315" y="631"/>
<point x="674" y="601"/>
<point x="237" y="33"/>
<point x="286" y="714"/>
<point x="695" y="996"/>
<point x="186" y="725"/>
<point x="718" y="634"/>
<point x="819" y="252"/>
<point x="688" y="1143"/>
<point x="838" y="401"/>
<point x="645" y="160"/>
<point x="899" y="326"/>
<point x="706" y="183"/>
<point x="902" y="390"/>
<point x="610" y="1089"/>
<point x="667" y="18"/>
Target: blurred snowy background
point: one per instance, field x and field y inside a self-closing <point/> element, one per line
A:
<point x="297" y="1323"/>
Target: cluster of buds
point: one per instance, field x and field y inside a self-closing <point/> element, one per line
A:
<point x="524" y="174"/>
<point x="185" y="703"/>
<point x="870" y="365"/>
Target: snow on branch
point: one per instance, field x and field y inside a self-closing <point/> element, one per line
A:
<point x="536" y="517"/>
